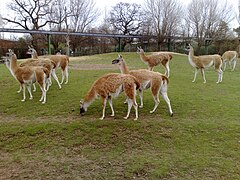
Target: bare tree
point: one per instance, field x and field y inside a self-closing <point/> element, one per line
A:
<point x="1" y="21"/>
<point x="29" y="14"/>
<point x="83" y="14"/>
<point x="165" y="16"/>
<point x="237" y="30"/>
<point x="126" y="19"/>
<point x="1" y="26"/>
<point x="206" y="18"/>
<point x="59" y="14"/>
<point x="238" y="12"/>
<point x="69" y="15"/>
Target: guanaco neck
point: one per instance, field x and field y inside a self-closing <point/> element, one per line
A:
<point x="34" y="55"/>
<point x="13" y="66"/>
<point x="89" y="98"/>
<point x="13" y="63"/>
<point x="191" y="53"/>
<point x="143" y="57"/>
<point x="123" y="68"/>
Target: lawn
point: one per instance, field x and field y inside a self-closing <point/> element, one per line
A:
<point x="52" y="141"/>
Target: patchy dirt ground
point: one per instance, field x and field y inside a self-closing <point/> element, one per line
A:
<point x="61" y="161"/>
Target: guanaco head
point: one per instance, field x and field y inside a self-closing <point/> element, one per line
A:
<point x="118" y="61"/>
<point x="5" y="60"/>
<point x="10" y="52"/>
<point x="11" y="55"/>
<point x="140" y="50"/>
<point x="82" y="109"/>
<point x="31" y="50"/>
<point x="2" y="61"/>
<point x="189" y="46"/>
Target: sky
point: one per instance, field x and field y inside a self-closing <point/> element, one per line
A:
<point x="108" y="4"/>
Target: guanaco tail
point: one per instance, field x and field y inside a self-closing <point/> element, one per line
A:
<point x="203" y="62"/>
<point x="46" y="62"/>
<point x="110" y="86"/>
<point x="148" y="79"/>
<point x="231" y="57"/>
<point x="156" y="59"/>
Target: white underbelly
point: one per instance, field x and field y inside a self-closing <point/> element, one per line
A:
<point x="117" y="92"/>
<point x="146" y="84"/>
<point x="30" y="80"/>
<point x="210" y="64"/>
<point x="58" y="64"/>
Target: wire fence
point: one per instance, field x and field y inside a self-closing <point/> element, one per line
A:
<point x="81" y="44"/>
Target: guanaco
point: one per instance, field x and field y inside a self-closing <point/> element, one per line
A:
<point x="203" y="62"/>
<point x="110" y="86"/>
<point x="147" y="79"/>
<point x="28" y="75"/>
<point x="46" y="62"/>
<point x="231" y="57"/>
<point x="153" y="60"/>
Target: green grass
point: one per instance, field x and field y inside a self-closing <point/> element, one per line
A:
<point x="201" y="140"/>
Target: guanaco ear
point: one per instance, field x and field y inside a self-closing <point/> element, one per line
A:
<point x="120" y="56"/>
<point x="3" y="58"/>
<point x="10" y="52"/>
<point x="81" y="102"/>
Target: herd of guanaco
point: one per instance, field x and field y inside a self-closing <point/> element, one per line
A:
<point x="109" y="86"/>
<point x="36" y="70"/>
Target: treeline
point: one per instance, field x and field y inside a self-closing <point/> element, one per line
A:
<point x="206" y="20"/>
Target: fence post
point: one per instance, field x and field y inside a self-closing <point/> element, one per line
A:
<point x="119" y="45"/>
<point x="169" y="44"/>
<point x="49" y="44"/>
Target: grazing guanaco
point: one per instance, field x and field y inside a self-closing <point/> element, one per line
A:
<point x="205" y="61"/>
<point x="28" y="75"/>
<point x="147" y="79"/>
<point x="110" y="86"/>
<point x="230" y="57"/>
<point x="156" y="59"/>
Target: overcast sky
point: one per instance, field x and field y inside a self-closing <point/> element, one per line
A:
<point x="107" y="4"/>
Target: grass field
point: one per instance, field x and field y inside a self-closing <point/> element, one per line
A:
<point x="52" y="141"/>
